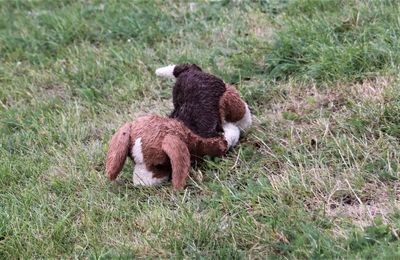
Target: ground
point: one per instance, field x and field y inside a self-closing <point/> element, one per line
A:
<point x="317" y="175"/>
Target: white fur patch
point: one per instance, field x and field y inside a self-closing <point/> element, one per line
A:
<point x="144" y="177"/>
<point x="245" y="122"/>
<point x="141" y="175"/>
<point x="231" y="134"/>
<point x="167" y="71"/>
<point x="137" y="151"/>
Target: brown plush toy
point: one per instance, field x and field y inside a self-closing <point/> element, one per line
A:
<point x="198" y="97"/>
<point x="163" y="147"/>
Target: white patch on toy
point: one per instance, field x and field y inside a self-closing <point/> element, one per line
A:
<point x="137" y="151"/>
<point x="245" y="122"/>
<point x="167" y="71"/>
<point x="231" y="134"/>
<point x="141" y="175"/>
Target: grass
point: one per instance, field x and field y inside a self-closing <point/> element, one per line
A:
<point x="317" y="176"/>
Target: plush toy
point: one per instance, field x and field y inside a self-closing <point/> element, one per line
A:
<point x="163" y="147"/>
<point x="198" y="98"/>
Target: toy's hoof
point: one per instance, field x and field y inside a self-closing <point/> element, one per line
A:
<point x="167" y="71"/>
<point x="231" y="134"/>
<point x="245" y="122"/>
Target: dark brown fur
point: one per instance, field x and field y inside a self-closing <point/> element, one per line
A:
<point x="196" y="96"/>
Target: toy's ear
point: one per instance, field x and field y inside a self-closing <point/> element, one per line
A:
<point x="118" y="151"/>
<point x="184" y="67"/>
<point x="179" y="156"/>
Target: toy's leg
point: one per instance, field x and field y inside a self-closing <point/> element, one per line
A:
<point x="213" y="146"/>
<point x="245" y="122"/>
<point x="233" y="109"/>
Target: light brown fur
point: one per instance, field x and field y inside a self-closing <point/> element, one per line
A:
<point x="118" y="151"/>
<point x="166" y="144"/>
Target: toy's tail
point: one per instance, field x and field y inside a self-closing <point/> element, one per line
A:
<point x="173" y="71"/>
<point x="118" y="151"/>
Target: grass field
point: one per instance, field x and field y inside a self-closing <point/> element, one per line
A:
<point x="317" y="176"/>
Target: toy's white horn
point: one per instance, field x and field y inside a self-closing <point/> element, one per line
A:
<point x="167" y="71"/>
